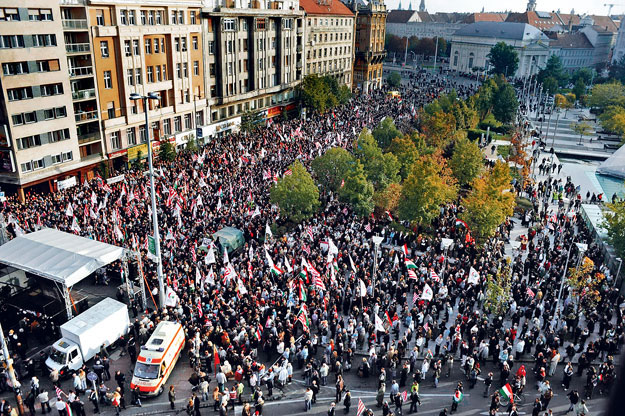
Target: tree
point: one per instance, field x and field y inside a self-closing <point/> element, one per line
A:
<point x="357" y="191"/>
<point x="564" y="101"/>
<point x="381" y="169"/>
<point x="554" y="69"/>
<point x="482" y="101"/>
<point x="583" y="129"/>
<point x="613" y="120"/>
<point x="166" y="151"/>
<point x="344" y="94"/>
<point x="550" y="84"/>
<point x="499" y="290"/>
<point x="489" y="203"/>
<point x="614" y="223"/>
<point x="385" y="132"/>
<point x="438" y="128"/>
<point x="394" y="79"/>
<point x="406" y="153"/>
<point x="467" y="161"/>
<point x="296" y="194"/>
<point x="250" y="120"/>
<point x="505" y="103"/>
<point x="579" y="89"/>
<point x="316" y="93"/>
<point x="332" y="168"/>
<point x="605" y="95"/>
<point x="503" y="59"/>
<point x="387" y="199"/>
<point x="429" y="185"/>
<point x="191" y="145"/>
<point x="585" y="286"/>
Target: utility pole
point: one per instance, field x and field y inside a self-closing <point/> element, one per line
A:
<point x="9" y="363"/>
<point x="435" y="54"/>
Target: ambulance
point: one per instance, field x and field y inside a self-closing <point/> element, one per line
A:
<point x="157" y="359"/>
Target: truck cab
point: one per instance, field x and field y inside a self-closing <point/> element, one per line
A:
<point x="64" y="356"/>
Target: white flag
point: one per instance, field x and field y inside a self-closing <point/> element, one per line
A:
<point x="94" y="199"/>
<point x="287" y="265"/>
<point x="210" y="256"/>
<point x="241" y="287"/>
<point x="379" y="325"/>
<point x="268" y="232"/>
<point x="198" y="277"/>
<point x="332" y="249"/>
<point x="171" y="299"/>
<point x="427" y="294"/>
<point x="226" y="259"/>
<point x="351" y="262"/>
<point x="211" y="277"/>
<point x="363" y="288"/>
<point x="70" y="210"/>
<point x="474" y="277"/>
<point x="396" y="261"/>
<point x="256" y="212"/>
<point x="75" y="226"/>
<point x="219" y="204"/>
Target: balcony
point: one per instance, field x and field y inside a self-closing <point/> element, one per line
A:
<point x="77" y="47"/>
<point x="83" y="94"/>
<point x="86" y="116"/>
<point x="88" y="138"/>
<point x="80" y="71"/>
<point x="75" y="24"/>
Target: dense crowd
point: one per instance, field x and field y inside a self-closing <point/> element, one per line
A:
<point x="331" y="307"/>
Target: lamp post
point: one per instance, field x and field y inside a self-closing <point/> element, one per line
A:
<point x="377" y="240"/>
<point x="582" y="249"/>
<point x="445" y="244"/>
<point x="618" y="271"/>
<point x="12" y="378"/>
<point x="157" y="240"/>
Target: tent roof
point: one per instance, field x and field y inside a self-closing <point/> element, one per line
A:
<point x="62" y="257"/>
<point x="614" y="165"/>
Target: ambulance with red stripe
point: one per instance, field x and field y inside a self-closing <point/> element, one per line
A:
<point x="157" y="358"/>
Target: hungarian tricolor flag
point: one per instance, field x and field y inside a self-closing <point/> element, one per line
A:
<point x="259" y="331"/>
<point x="302" y="317"/>
<point x="459" y="222"/>
<point x="410" y="264"/>
<point x="404" y="249"/>
<point x="275" y="270"/>
<point x="302" y="292"/>
<point x="506" y="393"/>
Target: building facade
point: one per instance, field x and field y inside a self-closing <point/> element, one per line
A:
<point x="369" y="43"/>
<point x="574" y="50"/>
<point x="328" y="39"/>
<point x="253" y="55"/>
<point x="619" y="45"/>
<point x="471" y="45"/>
<point x="41" y="147"/>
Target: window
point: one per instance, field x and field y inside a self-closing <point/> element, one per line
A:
<point x="151" y="18"/>
<point x="9" y="15"/>
<point x="24" y="118"/>
<point x="185" y="70"/>
<point x="131" y="17"/>
<point x="123" y="17"/>
<point x="130" y="77"/>
<point x="196" y="68"/>
<point x="28" y="142"/>
<point x="104" y="49"/>
<point x="116" y="142"/>
<point x="99" y="17"/>
<point x="187" y="121"/>
<point x="193" y="17"/>
<point x="108" y="81"/>
<point x="131" y="135"/>
<point x="163" y="45"/>
<point x="138" y="76"/>
<point x="51" y="89"/>
<point x="15" y="68"/>
<point x="230" y="68"/>
<point x="148" y="46"/>
<point x="135" y="47"/>
<point x="26" y="167"/>
<point x="68" y="156"/>
<point x="211" y="47"/>
<point x="127" y="48"/>
<point x="184" y="44"/>
<point x="38" y="164"/>
<point x="40" y="41"/>
<point x="177" y="44"/>
<point x="159" y="77"/>
<point x="142" y="134"/>
<point x="39" y="15"/>
<point x="150" y="73"/>
<point x="179" y="70"/>
<point x="287" y="23"/>
<point x="261" y="24"/>
<point x="143" y="17"/>
<point x="156" y="47"/>
<point x="167" y="126"/>
<point x="58" y="135"/>
<point x="56" y="159"/>
<point x="229" y="25"/>
<point x="244" y="24"/>
<point x="211" y="69"/>
<point x="174" y="17"/>
<point x="177" y="124"/>
<point x="11" y="41"/>
<point x="159" y="17"/>
<point x="180" y="17"/>
<point x="195" y="43"/>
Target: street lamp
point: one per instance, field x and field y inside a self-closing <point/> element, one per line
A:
<point x="445" y="244"/>
<point x="157" y="240"/>
<point x="618" y="271"/>
<point x="377" y="240"/>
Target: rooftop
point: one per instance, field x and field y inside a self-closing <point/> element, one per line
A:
<point x="501" y="30"/>
<point x="325" y="7"/>
<point x="576" y="40"/>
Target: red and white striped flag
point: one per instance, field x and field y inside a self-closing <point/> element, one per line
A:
<point x="368" y="228"/>
<point x="530" y="293"/>
<point x="361" y="407"/>
<point x="404" y="395"/>
<point x="306" y="249"/>
<point x="309" y="231"/>
<point x="415" y="298"/>
<point x="59" y="392"/>
<point x="404" y="249"/>
<point x="412" y="274"/>
<point x="434" y="276"/>
<point x="288" y="172"/>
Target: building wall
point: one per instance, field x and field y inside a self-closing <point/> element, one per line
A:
<point x="619" y="45"/>
<point x="329" y="46"/>
<point x="573" y="58"/>
<point x="369" y="46"/>
<point x="51" y="153"/>
<point x="424" y="29"/>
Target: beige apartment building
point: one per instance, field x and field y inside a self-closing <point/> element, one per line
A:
<point x="329" y="39"/>
<point x="39" y="143"/>
<point x="253" y="54"/>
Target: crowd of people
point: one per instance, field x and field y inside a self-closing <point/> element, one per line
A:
<point x="314" y="299"/>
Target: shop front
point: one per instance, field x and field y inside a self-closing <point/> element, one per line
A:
<point x="222" y="128"/>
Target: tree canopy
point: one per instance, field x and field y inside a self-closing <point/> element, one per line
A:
<point x="503" y="59"/>
<point x="332" y="168"/>
<point x="467" y="161"/>
<point x="385" y="132"/>
<point x="323" y="93"/>
<point x="296" y="194"/>
<point x="357" y="191"/>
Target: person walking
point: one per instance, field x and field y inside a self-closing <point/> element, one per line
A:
<point x="347" y="401"/>
<point x="414" y="399"/>
<point x="44" y="400"/>
<point x="573" y="400"/>
<point x="456" y="400"/>
<point x="488" y="381"/>
<point x="308" y="395"/>
<point x="171" y="395"/>
<point x="216" y="398"/>
<point x="568" y="375"/>
<point x="332" y="409"/>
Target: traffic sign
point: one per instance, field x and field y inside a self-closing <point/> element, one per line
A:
<point x="91" y="376"/>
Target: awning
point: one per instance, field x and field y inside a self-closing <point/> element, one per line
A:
<point x="62" y="257"/>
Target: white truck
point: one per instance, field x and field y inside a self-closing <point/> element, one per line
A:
<point x="82" y="336"/>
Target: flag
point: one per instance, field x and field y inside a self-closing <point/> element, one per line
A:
<point x="404" y="249"/>
<point x="434" y="276"/>
<point x="410" y="264"/>
<point x="458" y="396"/>
<point x="274" y="269"/>
<point x="287" y="265"/>
<point x="318" y="282"/>
<point x="530" y="293"/>
<point x="361" y="407"/>
<point x="75" y="227"/>
<point x="506" y="393"/>
<point x="268" y="232"/>
<point x="210" y="256"/>
<point x="59" y="392"/>
<point x="368" y="228"/>
<point x="388" y="317"/>
<point x="404" y="396"/>
<point x="171" y="299"/>
<point x="415" y="298"/>
<point x="474" y="276"/>
<point x="70" y="210"/>
<point x="412" y="274"/>
<point x="389" y="215"/>
<point x="459" y="222"/>
<point x="309" y="231"/>
<point x="302" y="292"/>
<point x="362" y="287"/>
<point x="427" y="294"/>
<point x="226" y="259"/>
<point x="216" y="358"/>
<point x="302" y="317"/>
<point x="351" y="262"/>
<point x="288" y="172"/>
<point x="258" y="332"/>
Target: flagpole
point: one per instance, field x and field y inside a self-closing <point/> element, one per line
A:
<point x="11" y="371"/>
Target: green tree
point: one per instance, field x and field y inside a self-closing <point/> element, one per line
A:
<point x="614" y="223"/>
<point x="613" y="119"/>
<point x="381" y="169"/>
<point x="387" y="199"/>
<point x="296" y="194"/>
<point x="191" y="145"/>
<point x="429" y="185"/>
<point x="343" y="94"/>
<point x="585" y="285"/>
<point x="583" y="129"/>
<point x="316" y="94"/>
<point x="167" y="152"/>
<point x="482" y="101"/>
<point x="499" y="290"/>
<point x="332" y="168"/>
<point x="490" y="202"/>
<point x="505" y="104"/>
<point x="385" y="132"/>
<point x="357" y="191"/>
<point x="438" y="128"/>
<point x="554" y="69"/>
<point x="585" y="74"/>
<point x="564" y="101"/>
<point x="605" y="95"/>
<point x="579" y="90"/>
<point x="503" y="59"/>
<point x="406" y="153"/>
<point x="467" y="161"/>
<point x="550" y="84"/>
<point x="250" y="120"/>
<point x="394" y="79"/>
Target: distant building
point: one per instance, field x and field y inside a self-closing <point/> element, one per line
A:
<point x="574" y="50"/>
<point x="602" y="40"/>
<point x="472" y="43"/>
<point x="619" y="45"/>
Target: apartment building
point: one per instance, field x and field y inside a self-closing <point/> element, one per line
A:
<point x="253" y="54"/>
<point x="329" y="39"/>
<point x="369" y="43"/>
<point x="155" y="48"/>
<point x="39" y="143"/>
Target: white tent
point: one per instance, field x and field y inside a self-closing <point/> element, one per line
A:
<point x="61" y="257"/>
<point x="614" y="165"/>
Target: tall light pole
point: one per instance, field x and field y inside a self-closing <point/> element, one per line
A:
<point x="377" y="240"/>
<point x="445" y="244"/>
<point x="618" y="271"/>
<point x="157" y="240"/>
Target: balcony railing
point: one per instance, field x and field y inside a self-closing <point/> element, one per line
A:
<point x="77" y="47"/>
<point x="83" y="94"/>
<point x="86" y="116"/>
<point x="88" y="137"/>
<point x="74" y="23"/>
<point x="80" y="71"/>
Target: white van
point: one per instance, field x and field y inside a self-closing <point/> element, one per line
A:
<point x="157" y="358"/>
